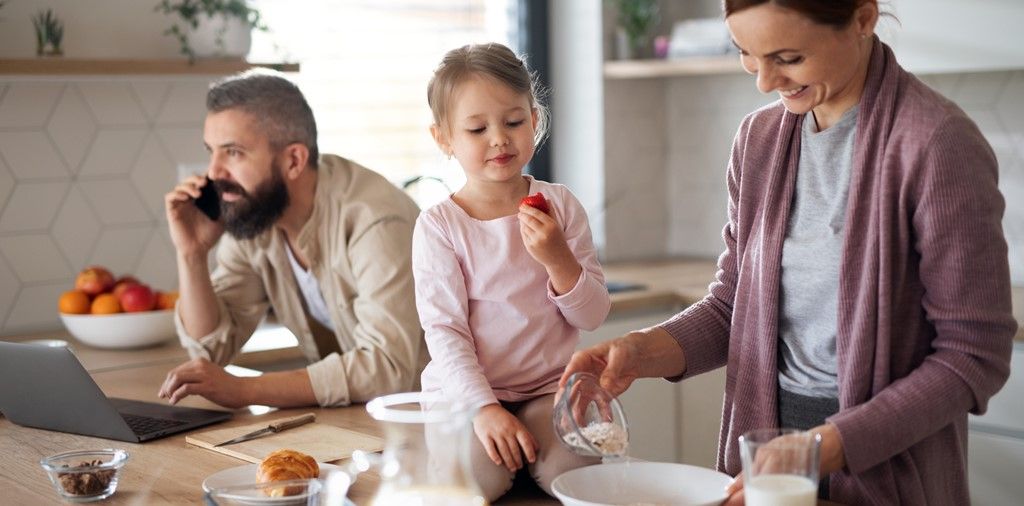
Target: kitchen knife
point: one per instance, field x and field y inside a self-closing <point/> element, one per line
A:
<point x="272" y="428"/>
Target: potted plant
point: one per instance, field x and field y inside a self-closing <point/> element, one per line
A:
<point x="49" y="33"/>
<point x="211" y="27"/>
<point x="634" y="23"/>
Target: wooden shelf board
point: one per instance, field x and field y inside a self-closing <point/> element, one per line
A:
<point x="77" y="66"/>
<point x="694" y="66"/>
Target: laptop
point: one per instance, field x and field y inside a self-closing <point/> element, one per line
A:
<point x="47" y="388"/>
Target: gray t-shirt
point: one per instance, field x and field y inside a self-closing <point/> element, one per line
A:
<point x="811" y="256"/>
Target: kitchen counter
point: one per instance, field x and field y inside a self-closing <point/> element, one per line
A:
<point x="663" y="283"/>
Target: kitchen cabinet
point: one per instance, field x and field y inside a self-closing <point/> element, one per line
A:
<point x="995" y="442"/>
<point x="650" y="404"/>
<point x="700" y="418"/>
<point x="668" y="422"/>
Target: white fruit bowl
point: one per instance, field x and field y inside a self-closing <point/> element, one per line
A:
<point x="639" y="482"/>
<point x="121" y="330"/>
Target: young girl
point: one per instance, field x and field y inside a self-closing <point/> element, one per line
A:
<point x="502" y="288"/>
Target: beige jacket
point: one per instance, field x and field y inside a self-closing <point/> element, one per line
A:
<point x="358" y="242"/>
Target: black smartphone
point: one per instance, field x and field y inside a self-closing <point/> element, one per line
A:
<point x="209" y="200"/>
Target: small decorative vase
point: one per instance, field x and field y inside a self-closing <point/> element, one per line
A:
<point x="220" y="36"/>
<point x="48" y="49"/>
<point x="623" y="46"/>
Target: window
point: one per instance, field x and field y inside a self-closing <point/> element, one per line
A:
<point x="365" y="67"/>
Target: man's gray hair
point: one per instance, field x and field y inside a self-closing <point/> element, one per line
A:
<point x="276" y="103"/>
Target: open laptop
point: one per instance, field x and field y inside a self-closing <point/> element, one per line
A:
<point x="47" y="388"/>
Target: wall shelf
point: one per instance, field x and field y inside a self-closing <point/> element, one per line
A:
<point x="179" y="66"/>
<point x="693" y="66"/>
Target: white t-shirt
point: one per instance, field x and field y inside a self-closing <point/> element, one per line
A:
<point x="310" y="289"/>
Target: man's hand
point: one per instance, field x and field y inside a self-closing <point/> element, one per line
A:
<point x="545" y="242"/>
<point x="192" y="232"/>
<point x="502" y="435"/>
<point x="201" y="377"/>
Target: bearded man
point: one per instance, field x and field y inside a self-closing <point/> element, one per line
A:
<point x="323" y="242"/>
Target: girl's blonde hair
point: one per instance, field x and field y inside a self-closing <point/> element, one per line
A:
<point x="491" y="60"/>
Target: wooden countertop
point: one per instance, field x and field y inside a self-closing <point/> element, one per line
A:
<point x="165" y="471"/>
<point x="666" y="283"/>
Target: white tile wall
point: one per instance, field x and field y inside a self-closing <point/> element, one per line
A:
<point x="28" y="104"/>
<point x="699" y="119"/>
<point x="72" y="127"/>
<point x="31" y="155"/>
<point x="84" y="166"/>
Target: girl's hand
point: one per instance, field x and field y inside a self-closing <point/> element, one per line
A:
<point x="502" y="435"/>
<point x="545" y="242"/>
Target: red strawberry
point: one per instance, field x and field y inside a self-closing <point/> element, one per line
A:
<point x="536" y="201"/>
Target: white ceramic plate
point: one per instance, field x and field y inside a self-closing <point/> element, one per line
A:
<point x="244" y="474"/>
<point x="624" y="483"/>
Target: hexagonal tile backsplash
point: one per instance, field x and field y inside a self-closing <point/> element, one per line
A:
<point x="84" y="165"/>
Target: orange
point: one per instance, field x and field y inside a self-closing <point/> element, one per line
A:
<point x="166" y="300"/>
<point x="105" y="303"/>
<point x="73" y="302"/>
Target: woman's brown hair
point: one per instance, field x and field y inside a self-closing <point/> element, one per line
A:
<point x="834" y="13"/>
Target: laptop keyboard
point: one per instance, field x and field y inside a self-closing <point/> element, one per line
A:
<point x="142" y="425"/>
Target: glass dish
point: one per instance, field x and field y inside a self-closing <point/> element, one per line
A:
<point x="277" y="493"/>
<point x="87" y="475"/>
<point x="589" y="420"/>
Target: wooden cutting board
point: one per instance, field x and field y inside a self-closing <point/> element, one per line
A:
<point x="325" y="443"/>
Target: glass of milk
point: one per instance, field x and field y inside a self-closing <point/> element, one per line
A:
<point x="780" y="467"/>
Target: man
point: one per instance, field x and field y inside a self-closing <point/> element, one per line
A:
<point x="321" y="240"/>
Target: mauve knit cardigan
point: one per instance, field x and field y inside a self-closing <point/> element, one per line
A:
<point x="924" y="330"/>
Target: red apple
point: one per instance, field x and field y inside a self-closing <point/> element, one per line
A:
<point x="94" y="281"/>
<point x="137" y="298"/>
<point x="123" y="283"/>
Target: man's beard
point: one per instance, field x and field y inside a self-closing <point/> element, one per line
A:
<point x="256" y="212"/>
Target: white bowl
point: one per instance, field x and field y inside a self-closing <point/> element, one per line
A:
<point x="121" y="330"/>
<point x="624" y="483"/>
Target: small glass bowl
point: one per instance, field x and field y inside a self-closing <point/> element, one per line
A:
<point x="84" y="476"/>
<point x="589" y="420"/>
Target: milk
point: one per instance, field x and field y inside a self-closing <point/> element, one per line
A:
<point x="780" y="490"/>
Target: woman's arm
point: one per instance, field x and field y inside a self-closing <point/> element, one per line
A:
<point x="963" y="269"/>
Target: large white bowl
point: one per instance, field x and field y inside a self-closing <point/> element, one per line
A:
<point x="121" y="330"/>
<point x="624" y="483"/>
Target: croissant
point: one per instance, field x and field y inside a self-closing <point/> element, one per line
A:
<point x="283" y="465"/>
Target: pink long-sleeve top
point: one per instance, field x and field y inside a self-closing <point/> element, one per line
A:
<point x="495" y="329"/>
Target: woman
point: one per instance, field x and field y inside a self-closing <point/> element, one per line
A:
<point x="864" y="289"/>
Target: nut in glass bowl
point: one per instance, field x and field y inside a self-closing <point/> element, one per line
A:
<point x="87" y="475"/>
<point x="589" y="420"/>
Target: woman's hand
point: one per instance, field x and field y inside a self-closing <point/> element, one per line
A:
<point x="613" y="362"/>
<point x="647" y="353"/>
<point x="502" y="435"/>
<point x="830" y="454"/>
<point x="543" y="238"/>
